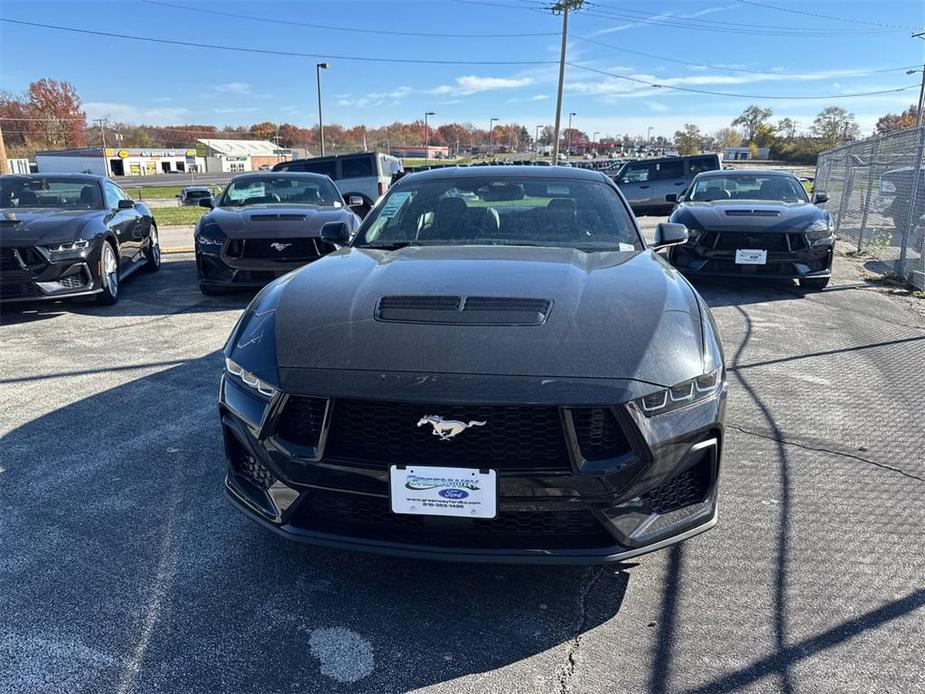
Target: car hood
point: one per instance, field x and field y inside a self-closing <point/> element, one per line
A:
<point x="275" y="221"/>
<point x="30" y="227"/>
<point x="613" y="315"/>
<point x="743" y="215"/>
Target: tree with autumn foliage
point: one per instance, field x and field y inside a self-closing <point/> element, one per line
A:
<point x="893" y="121"/>
<point x="47" y="116"/>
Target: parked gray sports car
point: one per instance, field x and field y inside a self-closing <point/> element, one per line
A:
<point x="497" y="369"/>
<point x="265" y="224"/>
<point x="754" y="223"/>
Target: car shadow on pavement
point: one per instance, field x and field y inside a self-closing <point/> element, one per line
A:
<point x="124" y="569"/>
<point x="172" y="289"/>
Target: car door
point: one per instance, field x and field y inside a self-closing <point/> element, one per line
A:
<point x="122" y="223"/>
<point x="668" y="178"/>
<point x="142" y="227"/>
<point x="635" y="183"/>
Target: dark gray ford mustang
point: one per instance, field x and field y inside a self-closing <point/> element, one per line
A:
<point x="495" y="368"/>
<point x="264" y="225"/>
<point x="754" y="223"/>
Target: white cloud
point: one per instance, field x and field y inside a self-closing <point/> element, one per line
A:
<point x="129" y="113"/>
<point x="658" y="19"/>
<point x="656" y="107"/>
<point x="473" y="84"/>
<point x="235" y="110"/>
<point x="162" y="99"/>
<point x="233" y="88"/>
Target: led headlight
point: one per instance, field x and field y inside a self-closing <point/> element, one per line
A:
<point x="249" y="379"/>
<point x="210" y="234"/>
<point x="820" y="229"/>
<point x="63" y="251"/>
<point x="682" y="395"/>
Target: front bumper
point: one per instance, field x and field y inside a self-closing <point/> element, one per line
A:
<point x="790" y="255"/>
<point x="661" y="493"/>
<point x="26" y="274"/>
<point x="229" y="264"/>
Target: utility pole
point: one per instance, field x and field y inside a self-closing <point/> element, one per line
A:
<point x="536" y="144"/>
<point x="318" y="68"/>
<point x="428" y="113"/>
<point x="491" y="130"/>
<point x="563" y="7"/>
<point x="4" y="168"/>
<point x="918" y="116"/>
<point x="101" y="121"/>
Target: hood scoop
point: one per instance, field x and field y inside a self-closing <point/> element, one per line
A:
<point x="753" y="213"/>
<point x="458" y="310"/>
<point x="278" y="217"/>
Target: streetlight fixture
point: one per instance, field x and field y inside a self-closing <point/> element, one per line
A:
<point x="568" y="144"/>
<point x="491" y="128"/>
<point x="918" y="117"/>
<point x="536" y="144"/>
<point x="318" y="68"/>
<point x="428" y="113"/>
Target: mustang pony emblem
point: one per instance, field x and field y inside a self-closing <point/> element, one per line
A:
<point x="447" y="428"/>
<point x="279" y="247"/>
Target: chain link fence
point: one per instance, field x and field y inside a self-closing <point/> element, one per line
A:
<point x="876" y="190"/>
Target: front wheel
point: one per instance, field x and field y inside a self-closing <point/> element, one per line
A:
<point x="814" y="283"/>
<point x="109" y="275"/>
<point x="153" y="252"/>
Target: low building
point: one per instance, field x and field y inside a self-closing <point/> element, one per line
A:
<point x="236" y="156"/>
<point x="142" y="161"/>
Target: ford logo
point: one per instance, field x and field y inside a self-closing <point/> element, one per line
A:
<point x="453" y="493"/>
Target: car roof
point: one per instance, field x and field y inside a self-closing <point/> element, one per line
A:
<point x="195" y="188"/>
<point x="747" y="172"/>
<point x="511" y="171"/>
<point x="86" y="178"/>
<point x="278" y="174"/>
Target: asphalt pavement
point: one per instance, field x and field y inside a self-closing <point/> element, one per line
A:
<point x="122" y="568"/>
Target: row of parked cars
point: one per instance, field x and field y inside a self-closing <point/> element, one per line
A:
<point x="493" y="364"/>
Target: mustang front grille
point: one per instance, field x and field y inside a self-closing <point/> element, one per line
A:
<point x="599" y="435"/>
<point x="277" y="249"/>
<point x="512" y="437"/>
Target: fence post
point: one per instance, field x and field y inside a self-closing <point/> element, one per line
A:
<point x="845" y="191"/>
<point x="911" y="220"/>
<point x="871" y="166"/>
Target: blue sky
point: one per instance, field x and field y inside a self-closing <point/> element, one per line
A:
<point x="768" y="53"/>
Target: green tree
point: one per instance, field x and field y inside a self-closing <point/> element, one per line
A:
<point x="752" y="119"/>
<point x="689" y="140"/>
<point x="787" y="128"/>
<point x="833" y="125"/>
<point x="727" y="137"/>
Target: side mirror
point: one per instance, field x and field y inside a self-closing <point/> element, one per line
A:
<point x="820" y="198"/>
<point x="671" y="197"/>
<point x="668" y="234"/>
<point x="207" y="202"/>
<point x="336" y="232"/>
<point x="355" y="201"/>
<point x="126" y="204"/>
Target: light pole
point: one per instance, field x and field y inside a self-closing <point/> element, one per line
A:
<point x="536" y="144"/>
<point x="318" y="68"/>
<point x="594" y="140"/>
<point x="918" y="117"/>
<point x="491" y="129"/>
<point x="428" y="113"/>
<point x="649" y="135"/>
<point x="568" y="144"/>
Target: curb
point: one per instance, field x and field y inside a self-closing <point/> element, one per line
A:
<point x="178" y="249"/>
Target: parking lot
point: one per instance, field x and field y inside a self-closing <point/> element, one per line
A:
<point x="123" y="568"/>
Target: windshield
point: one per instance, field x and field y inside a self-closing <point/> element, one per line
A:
<point x="16" y="192"/>
<point x="748" y="187"/>
<point x="502" y="210"/>
<point x="276" y="189"/>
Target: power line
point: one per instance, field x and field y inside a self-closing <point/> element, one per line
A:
<point x="738" y="96"/>
<point x="736" y="69"/>
<point x="355" y="30"/>
<point x="266" y="51"/>
<point x="692" y="23"/>
<point x="806" y="13"/>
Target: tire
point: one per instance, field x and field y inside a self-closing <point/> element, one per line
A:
<point x="153" y="252"/>
<point x="814" y="283"/>
<point x="109" y="275"/>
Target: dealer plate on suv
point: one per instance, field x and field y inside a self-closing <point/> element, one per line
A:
<point x="443" y="491"/>
<point x="751" y="256"/>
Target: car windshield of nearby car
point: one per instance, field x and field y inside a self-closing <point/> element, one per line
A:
<point x="504" y="210"/>
<point x="748" y="187"/>
<point x="49" y="192"/>
<point x="287" y="190"/>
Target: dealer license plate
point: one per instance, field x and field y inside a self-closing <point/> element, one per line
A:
<point x="443" y="491"/>
<point x="750" y="256"/>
